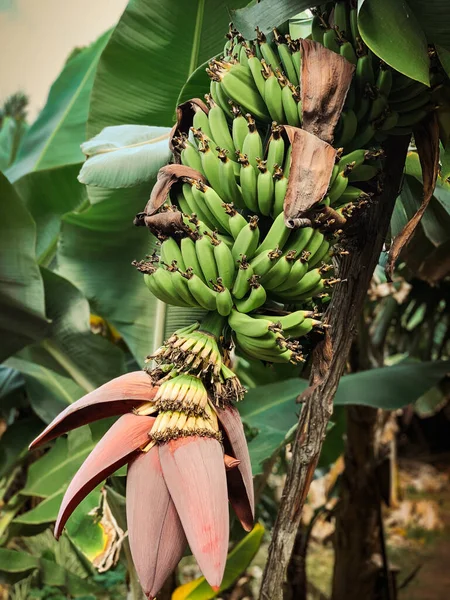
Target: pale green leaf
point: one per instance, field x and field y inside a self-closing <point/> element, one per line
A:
<point x="266" y="14"/>
<point x="125" y="156"/>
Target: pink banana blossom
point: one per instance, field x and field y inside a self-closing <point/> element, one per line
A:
<point x="186" y="455"/>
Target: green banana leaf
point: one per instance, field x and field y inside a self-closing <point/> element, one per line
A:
<point x="152" y="51"/>
<point x="433" y="16"/>
<point x="266" y="14"/>
<point x="48" y="392"/>
<point x="22" y="309"/>
<point x="394" y="33"/>
<point x="237" y="562"/>
<point x="54" y="138"/>
<point x="11" y="135"/>
<point x="71" y="349"/>
<point x="125" y="156"/>
<point x="14" y="562"/>
<point x="271" y="409"/>
<point x="48" y="195"/>
<point x="14" y="442"/>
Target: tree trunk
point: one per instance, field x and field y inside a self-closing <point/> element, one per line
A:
<point x="365" y="241"/>
<point x="357" y="536"/>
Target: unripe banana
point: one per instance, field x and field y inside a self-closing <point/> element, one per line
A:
<point x="247" y="240"/>
<point x="349" y="125"/>
<point x="339" y="185"/>
<point x="384" y="80"/>
<point x="304" y="328"/>
<point x="330" y="41"/>
<point x="301" y="238"/>
<point x="241" y="284"/>
<point x="231" y="191"/>
<point x="246" y="325"/>
<point x="276" y="237"/>
<point x="200" y="121"/>
<point x="286" y="58"/>
<point x="291" y="103"/>
<point x="320" y="255"/>
<point x="205" y="256"/>
<point x="296" y="56"/>
<point x="255" y="67"/>
<point x="269" y="341"/>
<point x="236" y="220"/>
<point x="348" y="52"/>
<point x="409" y="119"/>
<point x="181" y="287"/>
<point x="252" y="146"/>
<point x="317" y="29"/>
<point x="287" y="162"/>
<point x="243" y="94"/>
<point x="164" y="283"/>
<point x="189" y="255"/>
<point x="182" y="204"/>
<point x="272" y="94"/>
<point x="225" y="263"/>
<point x="219" y="128"/>
<point x="281" y="184"/>
<point x="269" y="55"/>
<point x="211" y="165"/>
<point x="254" y="300"/>
<point x="224" y="301"/>
<point x="168" y="296"/>
<point x="341" y="19"/>
<point x="297" y="272"/>
<point x="279" y="272"/>
<point x="170" y="251"/>
<point x="413" y="104"/>
<point x="275" y="152"/>
<point x="218" y="95"/>
<point x="363" y="173"/>
<point x="248" y="181"/>
<point x="362" y="138"/>
<point x="239" y="129"/>
<point x="307" y="283"/>
<point x="205" y="296"/>
<point x="266" y="189"/>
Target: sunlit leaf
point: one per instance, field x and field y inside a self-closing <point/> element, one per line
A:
<point x="54" y="138"/>
<point x="266" y="14"/>
<point x="125" y="156"/>
<point x="237" y="562"/>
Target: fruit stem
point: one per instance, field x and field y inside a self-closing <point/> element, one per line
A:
<point x="213" y="323"/>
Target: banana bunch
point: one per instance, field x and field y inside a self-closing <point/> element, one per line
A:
<point x="235" y="257"/>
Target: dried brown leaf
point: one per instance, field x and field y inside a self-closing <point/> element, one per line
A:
<point x="167" y="223"/>
<point x="168" y="176"/>
<point x="312" y="163"/>
<point x="185" y="116"/>
<point x="426" y="135"/>
<point x="326" y="78"/>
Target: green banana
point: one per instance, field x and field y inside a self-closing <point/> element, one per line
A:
<point x="341" y="18"/>
<point x="182" y="204"/>
<point x="279" y="272"/>
<point x="236" y="220"/>
<point x="266" y="188"/>
<point x="409" y="119"/>
<point x="211" y="165"/>
<point x="268" y="53"/>
<point x="255" y="67"/>
<point x="357" y="157"/>
<point x="363" y="173"/>
<point x="239" y="128"/>
<point x="249" y="326"/>
<point x="414" y="103"/>
<point x="307" y="283"/>
<point x="408" y="93"/>
<point x="296" y="56"/>
<point x="243" y="94"/>
<point x="252" y="146"/>
<point x="187" y="246"/>
<point x="248" y="181"/>
<point x="320" y="255"/>
<point x="254" y="300"/>
<point x="348" y="52"/>
<point x="205" y="296"/>
<point x="286" y="58"/>
<point x="275" y="151"/>
<point x="354" y="25"/>
<point x="338" y="187"/>
<point x="287" y="162"/>
<point x="276" y="237"/>
<point x="241" y="284"/>
<point x="224" y="262"/>
<point x="247" y="240"/>
<point x="362" y="138"/>
<point x="281" y="184"/>
<point x="269" y="341"/>
<point x="301" y="238"/>
<point x="181" y="287"/>
<point x="201" y="121"/>
<point x="330" y="41"/>
<point x="390" y="120"/>
<point x="211" y="204"/>
<point x="317" y="30"/>
<point x="224" y="302"/>
<point x="163" y="288"/>
<point x="379" y="105"/>
<point x="195" y="208"/>
<point x="349" y="125"/>
<point x="170" y="251"/>
<point x="298" y="271"/>
<point x="384" y="80"/>
<point x="290" y="100"/>
<point x="230" y="190"/>
<point x="219" y="128"/>
<point x="272" y="94"/>
<point x="205" y="257"/>
<point x="304" y="328"/>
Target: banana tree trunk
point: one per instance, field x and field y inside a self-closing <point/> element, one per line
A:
<point x="365" y="241"/>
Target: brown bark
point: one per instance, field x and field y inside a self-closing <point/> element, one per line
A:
<point x="357" y="534"/>
<point x="365" y="241"/>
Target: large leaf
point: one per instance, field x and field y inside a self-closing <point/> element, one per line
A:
<point x="71" y="349"/>
<point x="48" y="392"/>
<point x="125" y="156"/>
<point x="237" y="562"/>
<point x="22" y="309"/>
<point x="156" y="45"/>
<point x="267" y="14"/>
<point x="392" y="32"/>
<point x="48" y="195"/>
<point x="55" y="137"/>
<point x="196" y="86"/>
<point x="96" y="251"/>
<point x="14" y="442"/>
<point x="271" y="409"/>
<point x="433" y="16"/>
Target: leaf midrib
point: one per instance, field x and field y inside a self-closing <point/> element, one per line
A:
<point x="156" y="140"/>
<point x="195" y="52"/>
<point x="66" y="112"/>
